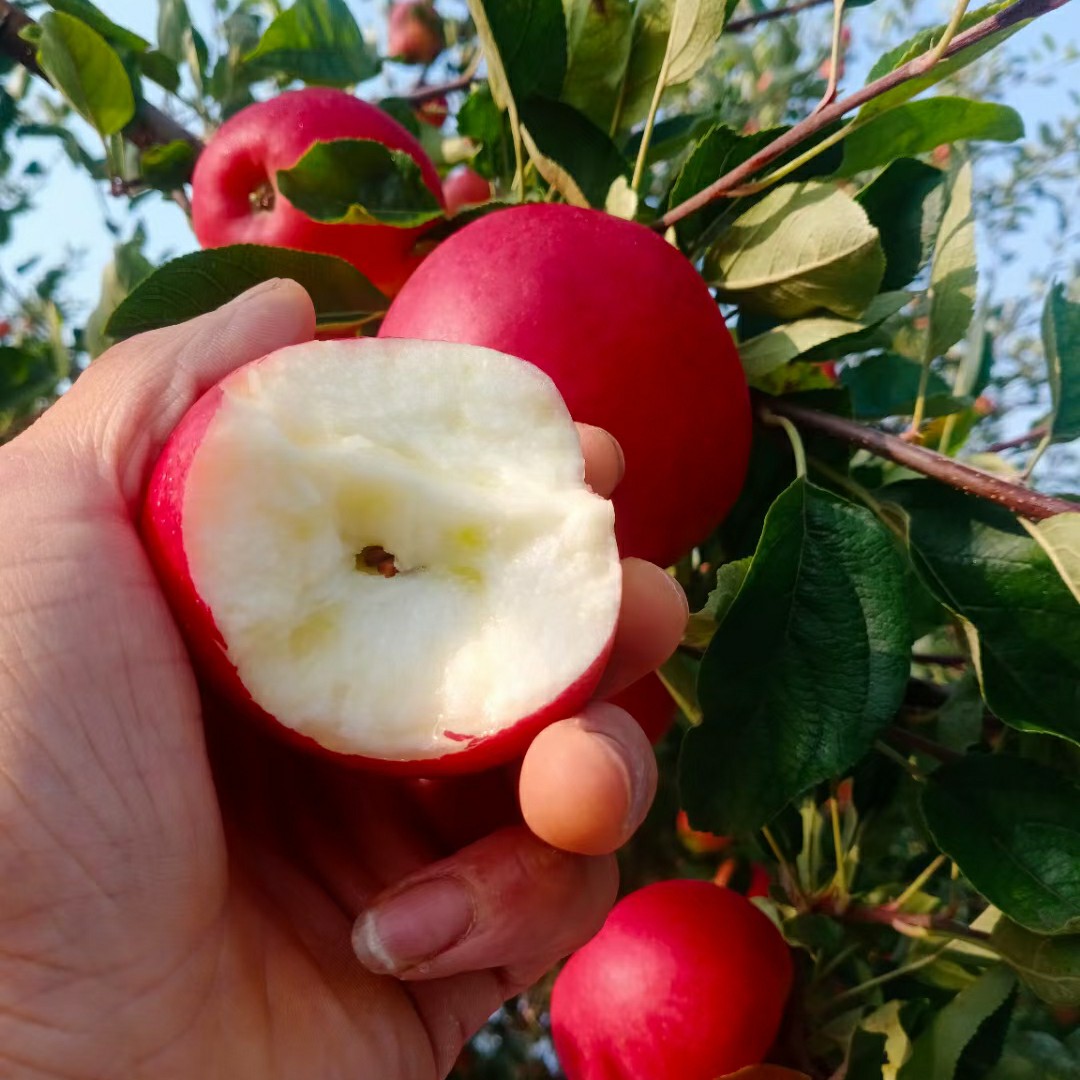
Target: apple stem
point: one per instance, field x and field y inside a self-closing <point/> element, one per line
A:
<point x="262" y="198"/>
<point x="377" y="558"/>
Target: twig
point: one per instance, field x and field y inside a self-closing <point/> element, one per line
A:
<point x="898" y="920"/>
<point x="835" y="57"/>
<point x="941" y="659"/>
<point x="811" y="125"/>
<point x="1034" y="435"/>
<point x="1020" y="500"/>
<point x="748" y="22"/>
<point x="420" y="94"/>
<point x="922" y="745"/>
<point x="915" y="887"/>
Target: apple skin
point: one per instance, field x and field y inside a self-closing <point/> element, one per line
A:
<point x="162" y="532"/>
<point x="433" y="112"/>
<point x="649" y="703"/>
<point x="685" y="981"/>
<point x="415" y="32"/>
<point x="251" y="147"/>
<point x="465" y="187"/>
<point x="631" y="337"/>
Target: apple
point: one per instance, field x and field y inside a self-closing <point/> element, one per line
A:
<point x="465" y="187"/>
<point x="386" y="550"/>
<point x="415" y="32"/>
<point x="433" y="112"/>
<point x="650" y="704"/>
<point x="684" y="981"/>
<point x="235" y="199"/>
<point x="630" y="334"/>
<point x="760" y="881"/>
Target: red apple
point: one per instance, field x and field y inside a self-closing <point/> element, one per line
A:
<point x="415" y="32"/>
<point x="650" y="704"/>
<point x="434" y="111"/>
<point x="235" y="199"/>
<point x="760" y="881"/>
<point x="387" y="550"/>
<point x="684" y="981"/>
<point x="465" y="187"/>
<point x="631" y="336"/>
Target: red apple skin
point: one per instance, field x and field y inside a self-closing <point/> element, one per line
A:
<point x="465" y="187"/>
<point x="251" y="147"/>
<point x="162" y="531"/>
<point x="415" y="32"/>
<point x="649" y="703"/>
<point x="433" y="112"/>
<point x="684" y="981"/>
<point x="630" y="335"/>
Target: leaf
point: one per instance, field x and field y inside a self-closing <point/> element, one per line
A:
<point x="159" y="68"/>
<point x="316" y="41"/>
<point x="1061" y="342"/>
<point x="1022" y="620"/>
<point x="560" y="135"/>
<point x="803" y="247"/>
<point x="1012" y="826"/>
<point x="938" y="1050"/>
<point x="174" y="21"/>
<point x="482" y="122"/>
<point x="768" y="351"/>
<point x="204" y="280"/>
<point x="97" y="20"/>
<point x="167" y="166"/>
<point x="27" y="374"/>
<point x="696" y="26"/>
<point x="598" y="38"/>
<point x="701" y="626"/>
<point x="1050" y="966"/>
<point x="809" y="664"/>
<point x="1059" y="537"/>
<point x="904" y="204"/>
<point x="882" y="1031"/>
<point x="86" y="70"/>
<point x="129" y="266"/>
<point x="919" y="126"/>
<point x="887" y="385"/>
<point x="953" y="277"/>
<point x="357" y="182"/>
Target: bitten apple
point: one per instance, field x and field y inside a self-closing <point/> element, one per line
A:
<point x="235" y="197"/>
<point x="387" y="550"/>
<point x="684" y="981"/>
<point x="631" y="336"/>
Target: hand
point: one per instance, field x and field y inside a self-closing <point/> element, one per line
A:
<point x="184" y="897"/>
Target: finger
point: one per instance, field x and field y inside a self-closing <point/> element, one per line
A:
<point x="604" y="461"/>
<point x="509" y="901"/>
<point x="604" y="758"/>
<point x="651" y="625"/>
<point x="126" y="404"/>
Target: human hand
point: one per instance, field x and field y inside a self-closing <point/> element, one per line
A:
<point x="182" y="894"/>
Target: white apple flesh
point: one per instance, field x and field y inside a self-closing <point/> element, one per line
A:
<point x="388" y="548"/>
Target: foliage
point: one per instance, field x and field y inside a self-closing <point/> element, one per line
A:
<point x="881" y="685"/>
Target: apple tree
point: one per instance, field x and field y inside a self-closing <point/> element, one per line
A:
<point x="872" y="726"/>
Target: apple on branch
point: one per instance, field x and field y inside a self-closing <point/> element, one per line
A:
<point x="387" y="551"/>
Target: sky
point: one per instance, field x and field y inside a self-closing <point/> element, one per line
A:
<point x="67" y="222"/>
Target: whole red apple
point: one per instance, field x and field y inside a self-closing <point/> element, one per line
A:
<point x="465" y="187"/>
<point x="235" y="199"/>
<point x="684" y="981"/>
<point x="386" y="550"/>
<point x="415" y="32"/>
<point x="631" y="336"/>
<point x="650" y="704"/>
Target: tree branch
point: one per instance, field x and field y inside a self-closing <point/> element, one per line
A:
<point x="1021" y="440"/>
<point x="420" y="94"/>
<point x="811" y="125"/>
<point x="748" y="22"/>
<point x="1015" y="497"/>
<point x="151" y="127"/>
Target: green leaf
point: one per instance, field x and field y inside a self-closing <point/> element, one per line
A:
<point x="357" y="182"/>
<point x="129" y="267"/>
<point x="97" y="20"/>
<point x="482" y="122"/>
<point x="598" y="38"/>
<point x="808" y="665"/>
<point x="921" y="43"/>
<point x="938" y="1051"/>
<point x="702" y="624"/>
<point x="803" y="247"/>
<point x="87" y="71"/>
<point x="887" y="385"/>
<point x="1050" y="966"/>
<point x="1059" y="537"/>
<point x="204" y="280"/>
<point x="1061" y="342"/>
<point x="528" y="40"/>
<point x="919" y="126"/>
<point x="173" y="23"/>
<point x="953" y="276"/>
<point x="562" y="136"/>
<point x="316" y="41"/>
<point x="1023" y="622"/>
<point x="167" y="166"/>
<point x="159" y="68"/>
<point x="904" y="204"/>
<point x="1012" y="826"/>
<point x="27" y="374"/>
<point x="766" y="352"/>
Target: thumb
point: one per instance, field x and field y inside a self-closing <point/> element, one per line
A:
<point x="125" y="405"/>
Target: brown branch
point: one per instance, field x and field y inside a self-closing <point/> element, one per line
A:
<point x="898" y="920"/>
<point x="748" y="22"/>
<point x="150" y="127"/>
<point x="421" y="94"/>
<point x="816" y="122"/>
<point x="940" y="659"/>
<point x="1021" y="440"/>
<point x="1015" y="497"/>
<point x="909" y="740"/>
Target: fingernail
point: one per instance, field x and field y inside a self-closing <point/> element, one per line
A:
<point x="635" y="767"/>
<point x="619" y="454"/>
<point x="680" y="591"/>
<point x="410" y="927"/>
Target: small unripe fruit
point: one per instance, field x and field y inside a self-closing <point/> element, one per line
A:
<point x="465" y="187"/>
<point x="415" y="32"/>
<point x="685" y="981"/>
